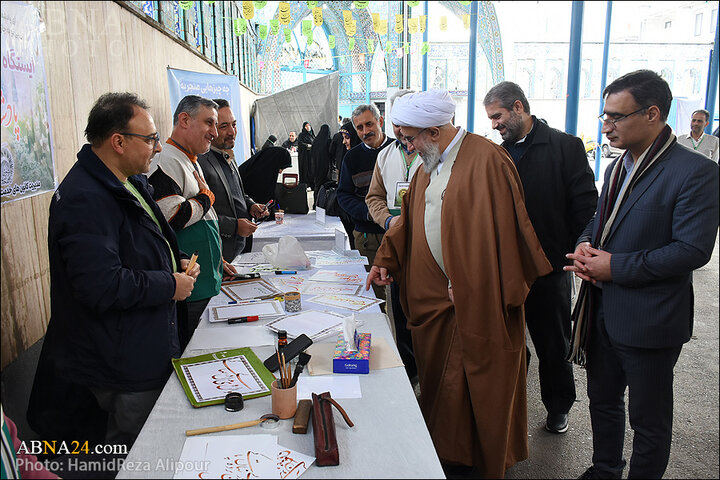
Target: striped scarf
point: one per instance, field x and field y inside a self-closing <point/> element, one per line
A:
<point x="582" y="314"/>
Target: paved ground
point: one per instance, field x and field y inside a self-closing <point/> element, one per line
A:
<point x="694" y="452"/>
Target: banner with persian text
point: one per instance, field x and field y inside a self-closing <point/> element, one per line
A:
<point x="210" y="85"/>
<point x="28" y="167"/>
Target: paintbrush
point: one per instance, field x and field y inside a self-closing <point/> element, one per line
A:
<point x="303" y="360"/>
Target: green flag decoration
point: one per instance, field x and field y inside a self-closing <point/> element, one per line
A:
<point x="309" y="37"/>
<point x="407" y="48"/>
<point x="287" y="35"/>
<point x="351" y="43"/>
<point x="186" y="5"/>
<point x="274" y="26"/>
<point x="262" y="31"/>
<point x="388" y="47"/>
<point x="465" y="3"/>
<point x="413" y="4"/>
<point x="311" y="5"/>
<point x="239" y="26"/>
<point x="331" y="41"/>
<point x="425" y="48"/>
<point x="259" y="5"/>
<point x="371" y="45"/>
<point x="306" y="27"/>
<point x="361" y="4"/>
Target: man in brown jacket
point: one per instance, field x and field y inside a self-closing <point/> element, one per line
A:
<point x="463" y="281"/>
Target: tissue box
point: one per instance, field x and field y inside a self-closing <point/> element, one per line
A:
<point x="352" y="362"/>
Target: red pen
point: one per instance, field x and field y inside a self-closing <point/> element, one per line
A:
<point x="253" y="318"/>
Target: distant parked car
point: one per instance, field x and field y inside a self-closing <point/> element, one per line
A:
<point x="605" y="149"/>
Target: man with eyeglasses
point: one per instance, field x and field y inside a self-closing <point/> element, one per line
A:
<point x="233" y="207"/>
<point x="465" y="255"/>
<point x="187" y="202"/>
<point x="560" y="197"/>
<point x="656" y="222"/>
<point x="116" y="277"/>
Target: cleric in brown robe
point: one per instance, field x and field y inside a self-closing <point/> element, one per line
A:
<point x="465" y="254"/>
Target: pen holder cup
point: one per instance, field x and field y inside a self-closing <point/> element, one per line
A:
<point x="292" y="302"/>
<point x="284" y="400"/>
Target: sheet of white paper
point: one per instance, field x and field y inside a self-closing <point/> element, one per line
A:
<point x="320" y="215"/>
<point x="214" y="379"/>
<point x="234" y="336"/>
<point x="321" y="288"/>
<point x="333" y="276"/>
<point x="249" y="290"/>
<point x="339" y="241"/>
<point x="229" y="456"/>
<point x="353" y="303"/>
<point x="261" y="309"/>
<point x="309" y="322"/>
<point x="288" y="283"/>
<point x="292" y="464"/>
<point x="339" y="386"/>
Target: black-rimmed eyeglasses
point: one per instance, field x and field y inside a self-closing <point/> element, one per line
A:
<point x="411" y="139"/>
<point x="605" y="119"/>
<point x="155" y="138"/>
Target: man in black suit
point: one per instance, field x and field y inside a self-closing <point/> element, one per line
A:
<point x="234" y="209"/>
<point x="656" y="222"/>
<point x="560" y="197"/>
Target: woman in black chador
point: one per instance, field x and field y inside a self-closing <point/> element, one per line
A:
<point x="305" y="141"/>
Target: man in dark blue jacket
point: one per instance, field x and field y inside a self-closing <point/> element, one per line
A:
<point x="355" y="177"/>
<point x="115" y="276"/>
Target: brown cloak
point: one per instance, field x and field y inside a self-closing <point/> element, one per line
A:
<point x="470" y="355"/>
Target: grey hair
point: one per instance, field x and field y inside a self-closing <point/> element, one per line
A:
<point x="704" y="112"/>
<point x="191" y="104"/>
<point x="364" y="108"/>
<point x="507" y="93"/>
<point x="397" y="95"/>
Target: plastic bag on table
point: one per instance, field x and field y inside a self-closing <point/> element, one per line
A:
<point x="287" y="254"/>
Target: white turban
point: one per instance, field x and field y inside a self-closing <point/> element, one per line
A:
<point x="431" y="108"/>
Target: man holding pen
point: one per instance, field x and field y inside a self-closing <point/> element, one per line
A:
<point x="116" y="277"/>
<point x="185" y="200"/>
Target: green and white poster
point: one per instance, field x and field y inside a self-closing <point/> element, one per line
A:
<point x="27" y="158"/>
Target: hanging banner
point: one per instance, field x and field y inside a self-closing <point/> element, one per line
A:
<point x="311" y="5"/>
<point x="407" y="48"/>
<point x="425" y="48"/>
<point x="347" y="16"/>
<point x="28" y="168"/>
<point x="239" y="26"/>
<point x="414" y="3"/>
<point x="284" y="13"/>
<point x="423" y="23"/>
<point x="186" y="5"/>
<point x="376" y="21"/>
<point x="443" y="23"/>
<point x="259" y="5"/>
<point x="351" y="29"/>
<point x="306" y="27"/>
<point x="209" y="85"/>
<point x="361" y="4"/>
<point x="331" y="41"/>
<point x="274" y="26"/>
<point x="382" y="30"/>
<point x="371" y="45"/>
<point x="317" y="16"/>
<point x="398" y="23"/>
<point x="413" y="25"/>
<point x="288" y="34"/>
<point x="263" y="31"/>
<point x="388" y="47"/>
<point x="351" y="43"/>
<point x="248" y="9"/>
<point x="309" y="38"/>
<point x="466" y="20"/>
<point x="466" y="3"/>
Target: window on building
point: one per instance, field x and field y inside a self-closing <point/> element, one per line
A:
<point x="713" y="20"/>
<point x="668" y="24"/>
<point x="698" y="24"/>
